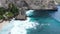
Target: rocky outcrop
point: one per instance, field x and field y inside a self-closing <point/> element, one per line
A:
<point x="31" y="4"/>
<point x="41" y="4"/>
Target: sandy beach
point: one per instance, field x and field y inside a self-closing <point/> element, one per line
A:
<point x="3" y="24"/>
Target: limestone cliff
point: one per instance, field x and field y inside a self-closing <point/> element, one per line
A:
<point x="31" y="4"/>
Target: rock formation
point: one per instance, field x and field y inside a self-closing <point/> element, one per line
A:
<point x="31" y="4"/>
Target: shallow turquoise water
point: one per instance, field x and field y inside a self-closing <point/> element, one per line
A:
<point x="50" y="19"/>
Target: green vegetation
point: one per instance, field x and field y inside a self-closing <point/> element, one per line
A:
<point x="1" y="17"/>
<point x="13" y="9"/>
<point x="10" y="12"/>
<point x="2" y="11"/>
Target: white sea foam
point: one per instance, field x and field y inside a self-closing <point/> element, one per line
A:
<point x="21" y="26"/>
<point x="30" y="12"/>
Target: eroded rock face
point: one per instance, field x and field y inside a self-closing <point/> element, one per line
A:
<point x="3" y="4"/>
<point x="31" y="4"/>
<point x="41" y="4"/>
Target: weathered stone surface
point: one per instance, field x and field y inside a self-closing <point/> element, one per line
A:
<point x="41" y="4"/>
<point x="21" y="15"/>
<point x="31" y="4"/>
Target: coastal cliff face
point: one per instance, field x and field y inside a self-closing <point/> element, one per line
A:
<point x="31" y="4"/>
<point x="41" y="4"/>
<point x="58" y="1"/>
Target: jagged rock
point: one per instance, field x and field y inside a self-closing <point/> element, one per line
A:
<point x="31" y="4"/>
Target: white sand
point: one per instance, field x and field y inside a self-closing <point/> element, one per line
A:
<point x="3" y="24"/>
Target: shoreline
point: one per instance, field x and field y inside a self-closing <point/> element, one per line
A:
<point x="2" y="24"/>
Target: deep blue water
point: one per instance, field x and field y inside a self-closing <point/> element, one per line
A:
<point x="46" y="17"/>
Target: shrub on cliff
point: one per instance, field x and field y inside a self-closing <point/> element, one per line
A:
<point x="1" y="17"/>
<point x="2" y="10"/>
<point x="9" y="14"/>
<point x="13" y="9"/>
